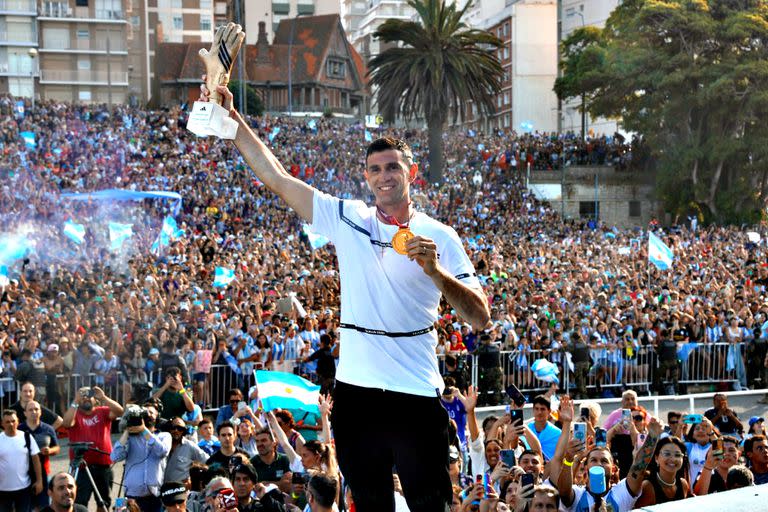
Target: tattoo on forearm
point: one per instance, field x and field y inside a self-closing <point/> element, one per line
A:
<point x="643" y="457"/>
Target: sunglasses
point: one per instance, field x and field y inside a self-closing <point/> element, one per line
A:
<point x="178" y="428"/>
<point x="638" y="418"/>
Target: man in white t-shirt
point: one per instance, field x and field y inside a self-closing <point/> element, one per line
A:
<point x="15" y="450"/>
<point x="388" y="372"/>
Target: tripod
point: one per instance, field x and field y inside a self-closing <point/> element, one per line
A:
<point x="78" y="451"/>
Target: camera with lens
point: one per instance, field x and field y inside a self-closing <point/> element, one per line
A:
<point x="134" y="416"/>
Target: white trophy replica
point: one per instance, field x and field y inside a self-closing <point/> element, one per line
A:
<point x="209" y="117"/>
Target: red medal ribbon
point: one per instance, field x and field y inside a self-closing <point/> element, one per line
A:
<point x="390" y="219"/>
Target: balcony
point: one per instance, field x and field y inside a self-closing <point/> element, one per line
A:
<point x="58" y="11"/>
<point x="83" y="46"/>
<point x="82" y="77"/>
<point x="21" y="67"/>
<point x="7" y="39"/>
<point x="18" y="7"/>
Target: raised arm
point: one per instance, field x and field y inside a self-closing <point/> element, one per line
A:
<point x="470" y="402"/>
<point x="263" y="162"/>
<point x="643" y="458"/>
<point x="282" y="439"/>
<point x="555" y="465"/>
<point x="326" y="406"/>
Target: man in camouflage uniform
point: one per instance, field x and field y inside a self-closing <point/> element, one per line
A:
<point x="489" y="372"/>
<point x="580" y="357"/>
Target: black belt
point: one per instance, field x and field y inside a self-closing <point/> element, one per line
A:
<point x="379" y="332"/>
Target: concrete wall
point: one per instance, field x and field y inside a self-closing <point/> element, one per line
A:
<point x="615" y="191"/>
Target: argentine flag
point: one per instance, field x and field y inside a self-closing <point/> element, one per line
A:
<point x="368" y="136"/>
<point x="74" y="231"/>
<point x="4" y="281"/>
<point x="29" y="139"/>
<point x="545" y="370"/>
<point x="658" y="252"/>
<point x="280" y="390"/>
<point x="13" y="247"/>
<point x="315" y="241"/>
<point x="119" y="233"/>
<point x="274" y="133"/>
<point x="222" y="276"/>
<point x="168" y="233"/>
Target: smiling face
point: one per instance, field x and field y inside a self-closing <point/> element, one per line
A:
<point x="669" y="456"/>
<point x="389" y="177"/>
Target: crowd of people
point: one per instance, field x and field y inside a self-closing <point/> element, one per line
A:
<point x="147" y="325"/>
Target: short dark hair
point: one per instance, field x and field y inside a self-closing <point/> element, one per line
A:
<point x="235" y="391"/>
<point x="53" y="478"/>
<point x="266" y="431"/>
<point x="739" y="476"/>
<point x="8" y="412"/>
<point x="247" y="470"/>
<point x="172" y="370"/>
<point x="204" y="421"/>
<point x="531" y="452"/>
<point x="225" y="424"/>
<point x="323" y="489"/>
<point x="674" y="414"/>
<point x="542" y="400"/>
<point x="751" y="441"/>
<point x="387" y="143"/>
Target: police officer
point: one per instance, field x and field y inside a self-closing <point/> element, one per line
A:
<point x="489" y="370"/>
<point x="580" y="356"/>
<point x="666" y="350"/>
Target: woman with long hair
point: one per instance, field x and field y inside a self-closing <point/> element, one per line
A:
<point x="667" y="474"/>
<point x="698" y="441"/>
<point x="245" y="437"/>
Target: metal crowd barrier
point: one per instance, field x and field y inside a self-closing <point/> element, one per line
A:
<point x="697" y="363"/>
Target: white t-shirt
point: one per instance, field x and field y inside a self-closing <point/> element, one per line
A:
<point x="618" y="499"/>
<point x="386" y="292"/>
<point x="14" y="461"/>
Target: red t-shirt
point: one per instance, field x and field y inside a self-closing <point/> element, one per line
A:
<point x="96" y="429"/>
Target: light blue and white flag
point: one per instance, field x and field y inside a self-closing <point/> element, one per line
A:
<point x="312" y="125"/>
<point x="368" y="136"/>
<point x="545" y="370"/>
<point x="74" y="231"/>
<point x="168" y="233"/>
<point x="29" y="139"/>
<point x="658" y="252"/>
<point x="471" y="133"/>
<point x="13" y="247"/>
<point x="274" y="133"/>
<point x="119" y="233"/>
<point x="526" y="126"/>
<point x="4" y="281"/>
<point x="280" y="390"/>
<point x="222" y="276"/>
<point x="315" y="241"/>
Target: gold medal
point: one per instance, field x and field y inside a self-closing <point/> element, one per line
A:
<point x="399" y="240"/>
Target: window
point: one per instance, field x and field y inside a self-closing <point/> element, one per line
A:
<point x="335" y="68"/>
<point x="81" y="3"/>
<point x="205" y="23"/>
<point x="635" y="209"/>
<point x="135" y="21"/>
<point x="83" y="34"/>
<point x="84" y="95"/>
<point x="178" y="23"/>
<point x="84" y="63"/>
<point x="506" y="52"/>
<point x="205" y="4"/>
<point x="506" y="98"/>
<point x="175" y="4"/>
<point x="587" y="209"/>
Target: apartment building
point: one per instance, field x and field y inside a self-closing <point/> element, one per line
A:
<point x="18" y="46"/>
<point x="576" y="14"/>
<point x="528" y="56"/>
<point x="83" y="52"/>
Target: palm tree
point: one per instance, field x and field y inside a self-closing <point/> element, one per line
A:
<point x="440" y="66"/>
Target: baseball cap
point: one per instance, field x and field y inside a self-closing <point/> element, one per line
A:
<point x="52" y="346"/>
<point x="153" y="351"/>
<point x="755" y="419"/>
<point x="453" y="453"/>
<point x="173" y="492"/>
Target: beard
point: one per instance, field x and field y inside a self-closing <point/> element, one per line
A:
<point x="86" y="406"/>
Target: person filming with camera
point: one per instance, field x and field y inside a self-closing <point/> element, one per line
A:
<point x="144" y="454"/>
<point x="91" y="423"/>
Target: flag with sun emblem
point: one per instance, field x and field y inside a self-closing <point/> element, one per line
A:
<point x="280" y="390"/>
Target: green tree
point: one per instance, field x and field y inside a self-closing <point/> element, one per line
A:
<point x="255" y="107"/>
<point x="690" y="77"/>
<point x="437" y="67"/>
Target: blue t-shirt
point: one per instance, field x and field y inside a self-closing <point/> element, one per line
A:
<point x="209" y="447"/>
<point x="548" y="438"/>
<point x="458" y="414"/>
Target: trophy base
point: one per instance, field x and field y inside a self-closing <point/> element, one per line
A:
<point x="211" y="119"/>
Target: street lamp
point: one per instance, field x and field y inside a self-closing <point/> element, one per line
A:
<point x="32" y="52"/>
<point x="583" y="96"/>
